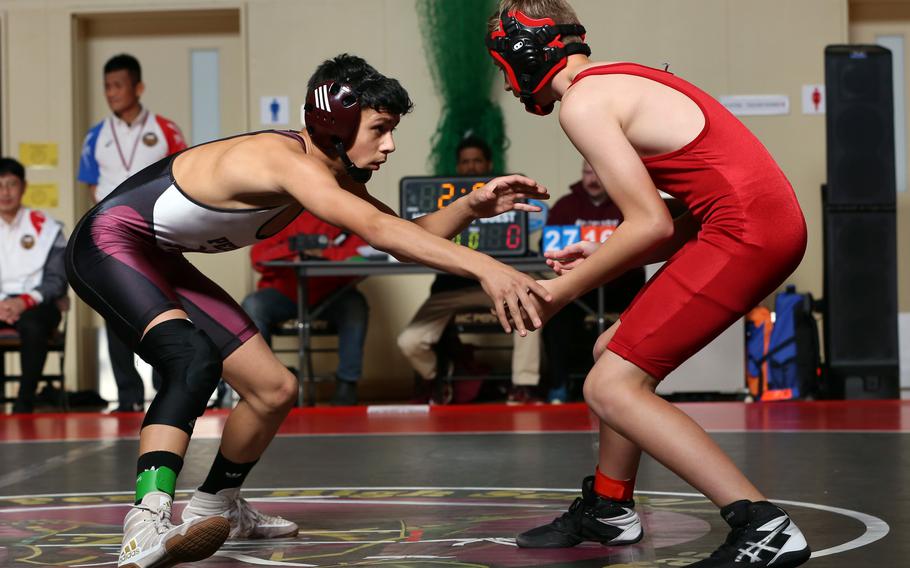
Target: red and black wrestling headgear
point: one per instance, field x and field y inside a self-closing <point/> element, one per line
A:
<point x="531" y="52"/>
<point x="331" y="115"/>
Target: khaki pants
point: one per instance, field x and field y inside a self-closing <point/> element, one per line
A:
<point x="417" y="340"/>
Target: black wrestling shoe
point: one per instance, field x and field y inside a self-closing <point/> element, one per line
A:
<point x="590" y="517"/>
<point x="762" y="535"/>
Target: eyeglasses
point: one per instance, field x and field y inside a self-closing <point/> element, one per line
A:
<point x="11" y="183"/>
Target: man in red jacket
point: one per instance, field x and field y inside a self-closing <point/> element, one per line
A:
<point x="566" y="340"/>
<point x="275" y="300"/>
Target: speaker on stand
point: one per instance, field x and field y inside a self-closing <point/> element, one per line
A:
<point x="860" y="306"/>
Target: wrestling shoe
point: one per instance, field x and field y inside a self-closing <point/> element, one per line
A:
<point x="151" y="541"/>
<point x="246" y="522"/>
<point x="590" y="517"/>
<point x="761" y="534"/>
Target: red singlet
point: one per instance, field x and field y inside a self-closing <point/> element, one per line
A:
<point x="752" y="237"/>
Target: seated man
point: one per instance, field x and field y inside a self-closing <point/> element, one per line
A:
<point x="450" y="293"/>
<point x="32" y="277"/>
<point x="566" y="341"/>
<point x="275" y="300"/>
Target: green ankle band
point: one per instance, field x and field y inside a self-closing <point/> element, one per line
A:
<point x="158" y="479"/>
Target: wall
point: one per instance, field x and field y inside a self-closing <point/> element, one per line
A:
<point x="725" y="46"/>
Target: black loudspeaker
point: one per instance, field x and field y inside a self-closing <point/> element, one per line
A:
<point x="860" y="120"/>
<point x="860" y="304"/>
<point x="860" y="307"/>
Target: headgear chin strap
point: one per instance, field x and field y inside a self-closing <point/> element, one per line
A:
<point x="531" y="52"/>
<point x="360" y="175"/>
<point x="331" y="115"/>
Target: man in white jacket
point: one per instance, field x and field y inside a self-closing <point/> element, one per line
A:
<point x="32" y="277"/>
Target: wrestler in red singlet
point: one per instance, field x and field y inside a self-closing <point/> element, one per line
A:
<point x="752" y="235"/>
<point x="644" y="130"/>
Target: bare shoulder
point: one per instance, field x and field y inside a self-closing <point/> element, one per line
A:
<point x="590" y="102"/>
<point x="270" y="158"/>
<point x="263" y="147"/>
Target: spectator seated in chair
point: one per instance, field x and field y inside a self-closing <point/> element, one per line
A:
<point x="275" y="300"/>
<point x="32" y="277"/>
<point x="420" y="340"/>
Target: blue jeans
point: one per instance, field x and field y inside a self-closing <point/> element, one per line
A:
<point x="349" y="313"/>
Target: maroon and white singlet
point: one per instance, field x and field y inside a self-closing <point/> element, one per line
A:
<point x="125" y="257"/>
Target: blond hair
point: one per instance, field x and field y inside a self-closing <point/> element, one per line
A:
<point x="559" y="10"/>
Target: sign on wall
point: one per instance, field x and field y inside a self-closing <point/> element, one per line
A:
<point x="814" y="99"/>
<point x="38" y="154"/>
<point x="757" y="105"/>
<point x="41" y="196"/>
<point x="273" y="110"/>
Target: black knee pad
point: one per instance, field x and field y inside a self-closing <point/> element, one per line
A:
<point x="190" y="368"/>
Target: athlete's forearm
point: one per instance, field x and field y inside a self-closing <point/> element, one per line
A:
<point x="405" y="241"/>
<point x="628" y="247"/>
<point x="449" y="221"/>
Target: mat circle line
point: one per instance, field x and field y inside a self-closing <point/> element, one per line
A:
<point x="875" y="528"/>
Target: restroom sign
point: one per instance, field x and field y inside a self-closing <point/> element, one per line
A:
<point x="273" y="110"/>
<point x="814" y="99"/>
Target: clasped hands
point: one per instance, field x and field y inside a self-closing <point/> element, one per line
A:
<point x="561" y="261"/>
<point x="11" y="309"/>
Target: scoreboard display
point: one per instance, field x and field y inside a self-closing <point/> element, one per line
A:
<point x="503" y="235"/>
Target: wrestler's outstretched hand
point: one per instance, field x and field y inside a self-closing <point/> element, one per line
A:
<point x="544" y="310"/>
<point x="562" y="261"/>
<point x="514" y="293"/>
<point x="504" y="194"/>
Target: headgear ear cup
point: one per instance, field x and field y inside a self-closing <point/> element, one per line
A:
<point x="331" y="114"/>
<point x="332" y="111"/>
<point x="531" y="52"/>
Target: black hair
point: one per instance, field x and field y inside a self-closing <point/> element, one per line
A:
<point x="12" y="166"/>
<point x="124" y="62"/>
<point x="375" y="90"/>
<point x="472" y="141"/>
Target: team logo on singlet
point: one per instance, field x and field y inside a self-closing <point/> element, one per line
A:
<point x="149" y="138"/>
<point x="27" y="241"/>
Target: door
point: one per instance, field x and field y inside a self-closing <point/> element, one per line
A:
<point x="193" y="68"/>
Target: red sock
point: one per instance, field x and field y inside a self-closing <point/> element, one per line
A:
<point x="611" y="488"/>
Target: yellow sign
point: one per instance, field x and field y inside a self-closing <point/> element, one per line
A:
<point x="38" y="154"/>
<point x="41" y="196"/>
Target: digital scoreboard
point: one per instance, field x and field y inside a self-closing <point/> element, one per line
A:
<point x="503" y="235"/>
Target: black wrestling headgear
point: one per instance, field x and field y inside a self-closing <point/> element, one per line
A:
<point x="531" y="52"/>
<point x="331" y="115"/>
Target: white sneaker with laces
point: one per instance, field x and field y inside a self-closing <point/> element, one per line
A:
<point x="151" y="541"/>
<point x="246" y="522"/>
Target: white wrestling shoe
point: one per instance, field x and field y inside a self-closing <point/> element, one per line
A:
<point x="246" y="522"/>
<point x="151" y="541"/>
